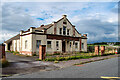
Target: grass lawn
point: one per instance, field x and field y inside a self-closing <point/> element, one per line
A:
<point x="75" y="56"/>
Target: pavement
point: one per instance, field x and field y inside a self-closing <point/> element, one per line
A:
<point x="15" y="58"/>
<point x="98" y="69"/>
<point x="23" y="65"/>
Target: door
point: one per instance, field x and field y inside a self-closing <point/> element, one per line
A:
<point x="63" y="46"/>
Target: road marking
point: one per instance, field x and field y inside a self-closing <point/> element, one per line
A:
<point x="110" y="77"/>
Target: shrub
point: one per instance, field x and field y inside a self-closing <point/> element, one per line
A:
<point x="12" y="51"/>
<point x="56" y="53"/>
<point x="48" y="54"/>
<point x="50" y="59"/>
<point x="34" y="54"/>
<point x="56" y="61"/>
<point x="38" y="60"/>
<point x="60" y="58"/>
<point x="4" y="62"/>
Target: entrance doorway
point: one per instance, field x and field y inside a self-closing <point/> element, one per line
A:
<point x="10" y="46"/>
<point x="63" y="46"/>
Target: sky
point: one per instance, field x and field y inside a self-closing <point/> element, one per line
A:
<point x="97" y="19"/>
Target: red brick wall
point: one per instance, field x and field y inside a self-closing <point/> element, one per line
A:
<point x="102" y="50"/>
<point x="42" y="52"/>
<point x="97" y="50"/>
<point x="2" y="51"/>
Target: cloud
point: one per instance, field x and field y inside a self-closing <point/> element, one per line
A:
<point x="60" y="1"/>
<point x="15" y="18"/>
<point x="98" y="19"/>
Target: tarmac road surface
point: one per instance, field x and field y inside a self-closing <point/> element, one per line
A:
<point x="107" y="68"/>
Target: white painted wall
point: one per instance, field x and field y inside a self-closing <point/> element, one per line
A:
<point x="29" y="42"/>
<point x="53" y="46"/>
<point x="85" y="45"/>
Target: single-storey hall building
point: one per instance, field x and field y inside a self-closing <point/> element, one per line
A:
<point x="60" y="36"/>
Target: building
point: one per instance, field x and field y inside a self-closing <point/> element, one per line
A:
<point x="60" y="36"/>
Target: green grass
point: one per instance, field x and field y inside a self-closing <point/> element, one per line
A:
<point x="56" y="53"/>
<point x="75" y="57"/>
<point x="38" y="60"/>
<point x="67" y="58"/>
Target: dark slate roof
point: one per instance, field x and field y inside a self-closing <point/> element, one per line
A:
<point x="13" y="38"/>
<point x="44" y="27"/>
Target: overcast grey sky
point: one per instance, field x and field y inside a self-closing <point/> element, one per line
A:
<point x="98" y="19"/>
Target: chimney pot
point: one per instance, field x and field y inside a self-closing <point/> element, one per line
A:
<point x="85" y="35"/>
<point x="42" y="25"/>
<point x="64" y="16"/>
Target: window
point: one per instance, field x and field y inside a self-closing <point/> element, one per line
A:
<point x="60" y="31"/>
<point x="76" y="45"/>
<point x="64" y="22"/>
<point x="48" y="44"/>
<point x="64" y="30"/>
<point x="70" y="44"/>
<point x="38" y="43"/>
<point x="82" y="45"/>
<point x="25" y="44"/>
<point x="57" y="44"/>
<point x="68" y="32"/>
<point x="73" y="42"/>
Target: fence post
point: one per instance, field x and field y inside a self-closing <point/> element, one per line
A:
<point x="42" y="52"/>
<point x="97" y="50"/>
<point x="102" y="50"/>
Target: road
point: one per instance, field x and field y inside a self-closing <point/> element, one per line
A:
<point x="96" y="69"/>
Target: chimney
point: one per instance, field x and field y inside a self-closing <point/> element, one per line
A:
<point x="64" y="16"/>
<point x="21" y="32"/>
<point x="85" y="35"/>
<point x="42" y="25"/>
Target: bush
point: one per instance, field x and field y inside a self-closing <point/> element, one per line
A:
<point x="34" y="54"/>
<point x="50" y="59"/>
<point x="38" y="60"/>
<point x="56" y="61"/>
<point x="4" y="62"/>
<point x="12" y="51"/>
<point x="48" y="54"/>
<point x="56" y="53"/>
